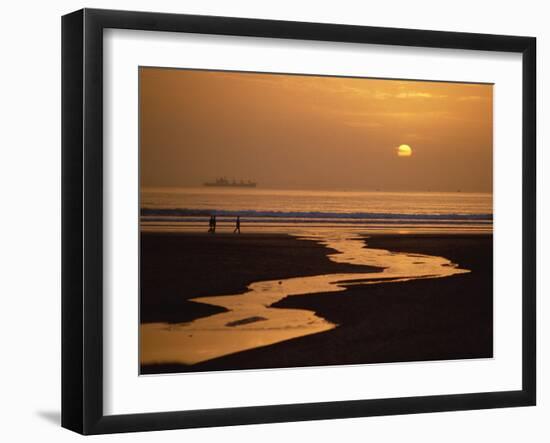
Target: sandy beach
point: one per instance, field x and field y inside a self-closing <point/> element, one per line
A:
<point x="180" y="266"/>
<point x="428" y="319"/>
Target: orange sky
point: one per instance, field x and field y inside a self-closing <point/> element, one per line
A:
<point x="305" y="132"/>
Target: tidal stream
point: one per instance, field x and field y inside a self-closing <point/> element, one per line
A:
<point x="251" y="321"/>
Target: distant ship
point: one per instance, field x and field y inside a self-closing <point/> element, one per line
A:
<point x="224" y="183"/>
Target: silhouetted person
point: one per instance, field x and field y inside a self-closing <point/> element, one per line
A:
<point x="237" y="225"/>
<point x="213" y="224"/>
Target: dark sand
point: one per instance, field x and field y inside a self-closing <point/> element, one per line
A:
<point x="433" y="319"/>
<point x="177" y="267"/>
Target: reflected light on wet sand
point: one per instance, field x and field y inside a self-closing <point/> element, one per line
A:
<point x="251" y="322"/>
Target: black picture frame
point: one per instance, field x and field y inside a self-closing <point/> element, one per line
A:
<point x="82" y="219"/>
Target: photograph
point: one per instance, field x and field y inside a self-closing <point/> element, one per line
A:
<point x="292" y="220"/>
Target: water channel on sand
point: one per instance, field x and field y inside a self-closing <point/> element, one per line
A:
<point x="251" y="322"/>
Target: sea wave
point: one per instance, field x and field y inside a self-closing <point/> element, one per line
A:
<point x="314" y="215"/>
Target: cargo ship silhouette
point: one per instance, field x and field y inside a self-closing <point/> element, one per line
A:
<point x="222" y="182"/>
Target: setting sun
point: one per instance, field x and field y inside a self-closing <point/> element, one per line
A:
<point x="404" y="151"/>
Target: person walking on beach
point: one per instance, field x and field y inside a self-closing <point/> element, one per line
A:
<point x="212" y="224"/>
<point x="237" y="225"/>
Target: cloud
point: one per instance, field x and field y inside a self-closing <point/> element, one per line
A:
<point x="354" y="117"/>
<point x="470" y="98"/>
<point x="380" y="95"/>
<point x="327" y="85"/>
<point x="418" y="95"/>
<point x="368" y="125"/>
<point x="406" y="114"/>
<point x="416" y="136"/>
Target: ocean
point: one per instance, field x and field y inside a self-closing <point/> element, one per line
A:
<point x="297" y="211"/>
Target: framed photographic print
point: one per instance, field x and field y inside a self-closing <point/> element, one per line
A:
<point x="269" y="221"/>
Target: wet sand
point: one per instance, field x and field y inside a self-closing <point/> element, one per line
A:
<point x="176" y="267"/>
<point x="432" y="319"/>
